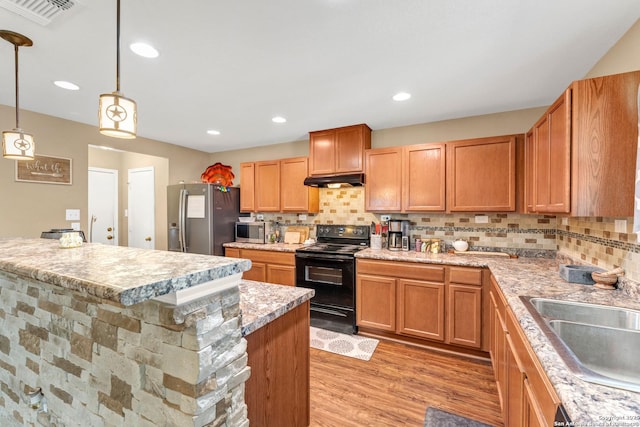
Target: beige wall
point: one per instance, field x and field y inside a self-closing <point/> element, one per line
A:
<point x="622" y="57"/>
<point x="27" y="209"/>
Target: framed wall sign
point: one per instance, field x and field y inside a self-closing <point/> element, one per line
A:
<point x="44" y="169"/>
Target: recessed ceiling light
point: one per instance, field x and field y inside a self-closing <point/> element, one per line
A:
<point x="279" y="119"/>
<point x="401" y="96"/>
<point x="213" y="132"/>
<point x="144" y="50"/>
<point x="66" y="85"/>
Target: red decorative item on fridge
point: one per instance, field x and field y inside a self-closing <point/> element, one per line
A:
<point x="218" y="174"/>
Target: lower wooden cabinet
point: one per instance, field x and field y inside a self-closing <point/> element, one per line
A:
<point x="421" y="301"/>
<point x="527" y="397"/>
<point x="267" y="266"/>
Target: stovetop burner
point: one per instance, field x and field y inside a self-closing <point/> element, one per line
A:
<point x="339" y="239"/>
<point x="333" y="248"/>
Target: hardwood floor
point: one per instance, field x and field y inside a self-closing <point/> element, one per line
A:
<point x="396" y="386"/>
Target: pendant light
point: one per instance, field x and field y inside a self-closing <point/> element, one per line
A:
<point x="117" y="115"/>
<point x="16" y="144"/>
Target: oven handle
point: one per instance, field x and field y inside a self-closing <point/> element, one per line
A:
<point x="327" y="311"/>
<point x="332" y="257"/>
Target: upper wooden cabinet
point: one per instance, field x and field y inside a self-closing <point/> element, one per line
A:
<point x="339" y="150"/>
<point x="584" y="149"/>
<point x="277" y="186"/>
<point x="481" y="174"/>
<point x="551" y="157"/>
<point x="405" y="179"/>
<point x="383" y="172"/>
<point x="294" y="195"/>
<point x="423" y="177"/>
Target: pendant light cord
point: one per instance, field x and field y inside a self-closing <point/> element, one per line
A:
<point x="17" y="97"/>
<point x="118" y="47"/>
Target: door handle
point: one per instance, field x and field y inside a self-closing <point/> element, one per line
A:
<point x="109" y="229"/>
<point x="109" y="237"/>
<point x="148" y="238"/>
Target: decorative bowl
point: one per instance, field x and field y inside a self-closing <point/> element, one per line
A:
<point x="460" y="245"/>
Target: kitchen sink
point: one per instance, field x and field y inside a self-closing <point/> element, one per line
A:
<point x="598" y="343"/>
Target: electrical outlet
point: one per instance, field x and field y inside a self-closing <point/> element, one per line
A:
<point x="260" y="217"/>
<point x="482" y="219"/>
<point x="385" y="217"/>
<point x="620" y="225"/>
<point x="302" y="217"/>
<point x="72" y="214"/>
<point x="565" y="221"/>
<point x="75" y="226"/>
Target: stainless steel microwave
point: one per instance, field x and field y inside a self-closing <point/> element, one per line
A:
<point x="250" y="232"/>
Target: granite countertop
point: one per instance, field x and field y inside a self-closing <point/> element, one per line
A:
<point x="276" y="247"/>
<point x="262" y="303"/>
<point x="124" y="275"/>
<point x="585" y="402"/>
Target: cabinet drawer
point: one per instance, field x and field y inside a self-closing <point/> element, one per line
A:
<point x="401" y="269"/>
<point x="467" y="276"/>
<point x="269" y="257"/>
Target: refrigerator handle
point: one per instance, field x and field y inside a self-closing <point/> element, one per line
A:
<point x="182" y="221"/>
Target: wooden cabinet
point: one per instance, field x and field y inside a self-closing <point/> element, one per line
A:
<point x="551" y="157"/>
<point x="481" y="174"/>
<point x="277" y="392"/>
<point x="420" y="301"/>
<point x="267" y="266"/>
<point x="405" y="179"/>
<point x="584" y="148"/>
<point x="529" y="203"/>
<point x="277" y="186"/>
<point x="383" y="171"/>
<point x="527" y="397"/>
<point x="247" y="187"/>
<point x="340" y="150"/>
<point x="294" y="195"/>
<point x="423" y="177"/>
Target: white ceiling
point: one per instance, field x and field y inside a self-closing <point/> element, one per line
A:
<point x="233" y="65"/>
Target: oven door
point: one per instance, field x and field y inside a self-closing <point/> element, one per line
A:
<point x="333" y="280"/>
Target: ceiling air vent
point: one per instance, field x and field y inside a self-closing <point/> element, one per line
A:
<point x="39" y="11"/>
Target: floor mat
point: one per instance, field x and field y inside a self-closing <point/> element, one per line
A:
<point x="346" y="345"/>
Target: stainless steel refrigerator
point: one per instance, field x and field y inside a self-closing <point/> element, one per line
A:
<point x="201" y="217"/>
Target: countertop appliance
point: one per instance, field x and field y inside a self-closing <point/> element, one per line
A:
<point x="201" y="217"/>
<point x="250" y="232"/>
<point x="329" y="268"/>
<point x="398" y="229"/>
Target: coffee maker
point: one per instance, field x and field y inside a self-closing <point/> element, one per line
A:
<point x="398" y="233"/>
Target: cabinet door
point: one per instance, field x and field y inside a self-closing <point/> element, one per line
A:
<point x="552" y="146"/>
<point x="532" y="413"/>
<point x="383" y="189"/>
<point x="482" y="174"/>
<point x="423" y="180"/>
<point x="529" y="172"/>
<point x="281" y="274"/>
<point x="258" y="272"/>
<point x="294" y="195"/>
<point x="515" y="387"/>
<point x="267" y="186"/>
<point x="247" y="187"/>
<point x="465" y="315"/>
<point x="351" y="142"/>
<point x="421" y="309"/>
<point x="376" y="302"/>
<point x="322" y="154"/>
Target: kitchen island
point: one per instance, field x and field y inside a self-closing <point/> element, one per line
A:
<point x="125" y="336"/>
<point x="586" y="403"/>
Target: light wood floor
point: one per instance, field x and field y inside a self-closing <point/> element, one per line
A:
<point x="396" y="386"/>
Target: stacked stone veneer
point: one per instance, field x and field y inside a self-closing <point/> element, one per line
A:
<point x="101" y="364"/>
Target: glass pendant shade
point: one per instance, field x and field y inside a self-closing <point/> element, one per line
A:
<point x="117" y="116"/>
<point x="17" y="145"/>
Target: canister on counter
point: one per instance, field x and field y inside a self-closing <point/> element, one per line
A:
<point x="418" y="245"/>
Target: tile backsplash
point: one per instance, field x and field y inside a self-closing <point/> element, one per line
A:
<point x="592" y="240"/>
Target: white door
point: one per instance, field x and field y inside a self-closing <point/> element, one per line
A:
<point x="103" y="206"/>
<point x="141" y="210"/>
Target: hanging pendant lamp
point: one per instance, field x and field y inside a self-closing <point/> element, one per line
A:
<point x="16" y="144"/>
<point x="117" y="115"/>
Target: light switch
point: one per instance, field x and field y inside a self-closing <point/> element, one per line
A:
<point x="72" y="215"/>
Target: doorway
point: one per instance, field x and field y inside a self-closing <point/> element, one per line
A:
<point x="141" y="210"/>
<point x="103" y="205"/>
